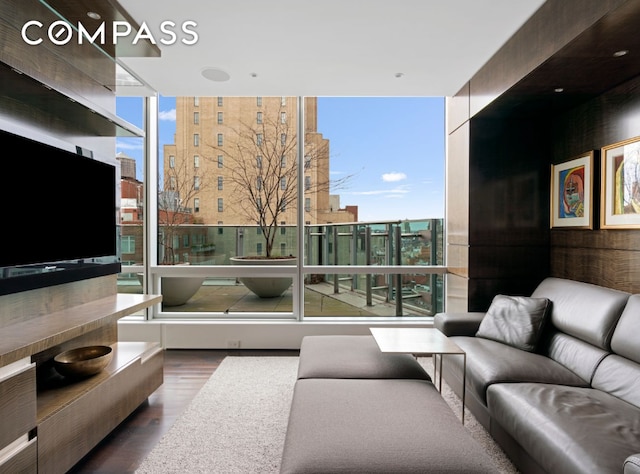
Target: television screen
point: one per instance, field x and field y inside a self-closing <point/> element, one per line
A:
<point x="59" y="206"/>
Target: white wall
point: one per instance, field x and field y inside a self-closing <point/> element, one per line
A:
<point x="246" y="334"/>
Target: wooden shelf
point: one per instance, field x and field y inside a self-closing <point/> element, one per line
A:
<point x="56" y="392"/>
<point x="74" y="416"/>
<point x="30" y="100"/>
<point x="35" y="335"/>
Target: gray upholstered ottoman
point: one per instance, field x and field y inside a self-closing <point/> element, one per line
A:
<point x="376" y="426"/>
<point x="344" y="357"/>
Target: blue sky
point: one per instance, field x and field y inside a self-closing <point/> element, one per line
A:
<point x="393" y="147"/>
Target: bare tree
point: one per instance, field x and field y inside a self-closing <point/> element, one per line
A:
<point x="181" y="185"/>
<point x="263" y="170"/>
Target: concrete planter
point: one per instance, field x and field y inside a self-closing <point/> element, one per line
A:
<point x="265" y="287"/>
<point x="176" y="291"/>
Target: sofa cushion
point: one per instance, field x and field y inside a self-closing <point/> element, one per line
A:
<point x="625" y="337"/>
<point x="619" y="377"/>
<point x="632" y="464"/>
<point x="490" y="362"/>
<point x="583" y="310"/>
<point x="567" y="429"/>
<point x="515" y="320"/>
<point x="342" y="356"/>
<point x="377" y="426"/>
<point x="458" y="324"/>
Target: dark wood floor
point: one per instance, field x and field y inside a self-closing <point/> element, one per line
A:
<point x="185" y="372"/>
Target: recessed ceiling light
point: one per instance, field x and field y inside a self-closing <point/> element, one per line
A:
<point x="622" y="52"/>
<point x="558" y="89"/>
<point x="215" y="74"/>
<point x="94" y="15"/>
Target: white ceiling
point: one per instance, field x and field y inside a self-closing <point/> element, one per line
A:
<point x="325" y="47"/>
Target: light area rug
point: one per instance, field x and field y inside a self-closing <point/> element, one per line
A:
<point x="237" y="422"/>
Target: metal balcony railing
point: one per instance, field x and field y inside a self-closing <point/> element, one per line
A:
<point x="359" y="258"/>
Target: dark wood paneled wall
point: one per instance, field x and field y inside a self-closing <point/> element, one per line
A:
<point x="554" y="25"/>
<point x="508" y="208"/>
<point x="604" y="257"/>
<point x="505" y="129"/>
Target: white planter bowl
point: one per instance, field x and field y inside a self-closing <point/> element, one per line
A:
<point x="265" y="287"/>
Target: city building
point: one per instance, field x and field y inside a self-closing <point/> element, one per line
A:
<point x="234" y="160"/>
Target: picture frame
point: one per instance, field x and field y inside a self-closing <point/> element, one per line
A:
<point x="572" y="193"/>
<point x="620" y="185"/>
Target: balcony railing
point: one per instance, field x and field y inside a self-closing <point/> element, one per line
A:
<point x="397" y="268"/>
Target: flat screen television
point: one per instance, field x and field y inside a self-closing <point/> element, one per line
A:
<point x="59" y="216"/>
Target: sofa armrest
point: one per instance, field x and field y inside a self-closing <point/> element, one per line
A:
<point x="632" y="464"/>
<point x="458" y="324"/>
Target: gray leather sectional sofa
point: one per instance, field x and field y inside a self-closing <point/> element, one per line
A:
<point x="358" y="410"/>
<point x="555" y="377"/>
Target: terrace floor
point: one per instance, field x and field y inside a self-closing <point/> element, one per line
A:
<point x="230" y="297"/>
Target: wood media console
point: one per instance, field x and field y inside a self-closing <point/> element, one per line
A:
<point x="50" y="422"/>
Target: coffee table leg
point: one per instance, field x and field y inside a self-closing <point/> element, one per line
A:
<point x="464" y="382"/>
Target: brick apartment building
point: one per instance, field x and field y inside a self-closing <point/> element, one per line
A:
<point x="212" y="140"/>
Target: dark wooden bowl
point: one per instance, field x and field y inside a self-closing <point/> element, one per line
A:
<point x="83" y="361"/>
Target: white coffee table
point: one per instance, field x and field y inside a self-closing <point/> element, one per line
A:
<point x="421" y="342"/>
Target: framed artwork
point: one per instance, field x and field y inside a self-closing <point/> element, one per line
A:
<point x="572" y="193"/>
<point x="620" y="194"/>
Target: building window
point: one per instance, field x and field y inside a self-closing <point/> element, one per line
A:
<point x="196" y="118"/>
<point x="259" y="117"/>
<point x="196" y="161"/>
<point x="259" y="139"/>
<point x="196" y="183"/>
<point x="259" y="101"/>
<point x="283" y="101"/>
<point x="185" y="240"/>
<point x="259" y="205"/>
<point x="259" y="183"/>
<point x="283" y="229"/>
<point x="307" y="162"/>
<point x="172" y="161"/>
<point x="259" y="248"/>
<point x="196" y="139"/>
<point x="283" y="138"/>
<point x="307" y="204"/>
<point x="220" y="117"/>
<point x="283" y="161"/>
<point x="259" y="161"/>
<point x="172" y="183"/>
<point x="220" y="139"/>
<point x="220" y="229"/>
<point x="283" y="183"/>
<point x="219" y="101"/>
<point x="196" y="204"/>
<point x="283" y="248"/>
<point x="196" y="101"/>
<point x="283" y="117"/>
<point x="220" y="161"/>
<point x="128" y="243"/>
<point x="220" y="205"/>
<point x="219" y="183"/>
<point x="307" y="183"/>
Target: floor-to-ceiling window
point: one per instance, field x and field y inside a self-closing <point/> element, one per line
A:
<point x="356" y="198"/>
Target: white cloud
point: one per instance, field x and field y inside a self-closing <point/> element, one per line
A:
<point x="393" y="176"/>
<point x="169" y="115"/>
<point x="396" y="192"/>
